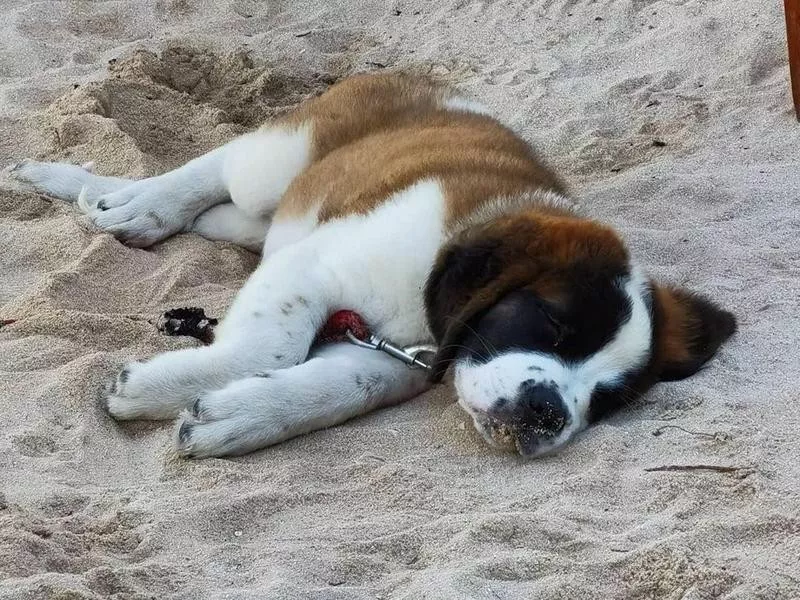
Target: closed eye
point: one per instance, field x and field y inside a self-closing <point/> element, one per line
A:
<point x="520" y="321"/>
<point x="560" y="330"/>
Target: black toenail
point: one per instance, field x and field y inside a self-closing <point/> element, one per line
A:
<point x="184" y="432"/>
<point x="102" y="205"/>
<point x="196" y="407"/>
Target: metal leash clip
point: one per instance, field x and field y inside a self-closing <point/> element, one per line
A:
<point x="410" y="355"/>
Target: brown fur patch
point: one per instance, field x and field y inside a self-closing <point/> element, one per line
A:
<point x="689" y="331"/>
<point x="361" y="105"/>
<point x="376" y="135"/>
<point x="676" y="325"/>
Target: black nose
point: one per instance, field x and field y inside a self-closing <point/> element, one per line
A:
<point x="537" y="414"/>
<point x="540" y="409"/>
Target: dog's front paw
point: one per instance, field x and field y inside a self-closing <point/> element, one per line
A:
<point x="206" y="439"/>
<point x="133" y="395"/>
<point x="121" y="401"/>
<point x="232" y="421"/>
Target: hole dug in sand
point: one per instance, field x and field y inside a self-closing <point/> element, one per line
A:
<point x="154" y="112"/>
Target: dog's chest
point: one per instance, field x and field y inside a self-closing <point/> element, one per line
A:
<point x="381" y="260"/>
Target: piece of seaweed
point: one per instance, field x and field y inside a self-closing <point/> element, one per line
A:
<point x="191" y="321"/>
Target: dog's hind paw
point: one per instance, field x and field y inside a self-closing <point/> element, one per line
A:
<point x="60" y="180"/>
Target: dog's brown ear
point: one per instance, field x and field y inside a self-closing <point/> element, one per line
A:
<point x="689" y="331"/>
<point x="455" y="292"/>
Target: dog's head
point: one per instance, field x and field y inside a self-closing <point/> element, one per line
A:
<point x="548" y="326"/>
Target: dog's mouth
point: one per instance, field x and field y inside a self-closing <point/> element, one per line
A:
<point x="526" y="440"/>
<point x="497" y="434"/>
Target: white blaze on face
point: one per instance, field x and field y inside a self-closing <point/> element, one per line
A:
<point x="480" y="386"/>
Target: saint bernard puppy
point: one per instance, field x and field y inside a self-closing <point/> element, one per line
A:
<point x="396" y="198"/>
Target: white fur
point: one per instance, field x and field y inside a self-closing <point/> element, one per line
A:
<point x="62" y="180"/>
<point x="253" y="171"/>
<point x="288" y="231"/>
<point x="459" y="103"/>
<point x="228" y="223"/>
<point x="630" y="346"/>
<point x="508" y="205"/>
<point x="147" y="211"/>
<point x="259" y="166"/>
<point x="479" y="386"/>
<point x="353" y="263"/>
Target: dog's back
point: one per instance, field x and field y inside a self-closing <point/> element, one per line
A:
<point x="373" y="135"/>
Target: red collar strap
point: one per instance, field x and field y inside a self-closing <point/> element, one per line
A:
<point x="337" y="326"/>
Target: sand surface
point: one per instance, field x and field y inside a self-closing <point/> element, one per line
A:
<point x="672" y="120"/>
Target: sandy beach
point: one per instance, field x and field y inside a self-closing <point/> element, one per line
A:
<point x="670" y="119"/>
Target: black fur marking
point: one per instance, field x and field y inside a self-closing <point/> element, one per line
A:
<point x="359" y="380"/>
<point x="263" y="375"/>
<point x="124" y="375"/>
<point x="589" y="308"/>
<point x="185" y="432"/>
<point x="500" y="404"/>
<point x="278" y="356"/>
<point x="196" y="407"/>
<point x="610" y="397"/>
<point x="457" y="273"/>
<point x="156" y="218"/>
<point x="102" y="205"/>
<point x="595" y="310"/>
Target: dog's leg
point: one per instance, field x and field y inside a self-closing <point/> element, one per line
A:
<point x="269" y="326"/>
<point x="338" y="383"/>
<point x="63" y="180"/>
<point x="253" y="171"/>
<point x="228" y="223"/>
<point x="224" y="222"/>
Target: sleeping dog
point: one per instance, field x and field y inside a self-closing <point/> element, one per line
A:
<point x="401" y="200"/>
